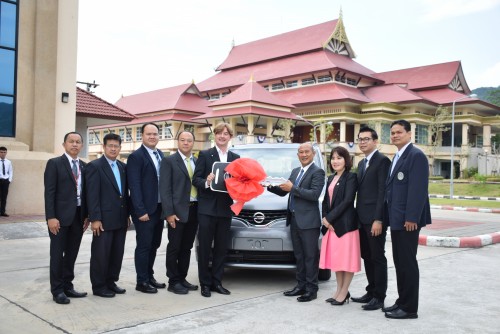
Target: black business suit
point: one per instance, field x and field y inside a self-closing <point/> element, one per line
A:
<point x="407" y="199"/>
<point x="110" y="206"/>
<point x="175" y="190"/>
<point x="370" y="207"/>
<point x="305" y="222"/>
<point x="214" y="219"/>
<point x="143" y="178"/>
<point x="60" y="196"/>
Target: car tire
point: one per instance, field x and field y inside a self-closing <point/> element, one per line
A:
<point x="324" y="274"/>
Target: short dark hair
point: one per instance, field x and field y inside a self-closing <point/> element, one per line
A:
<point x="3" y="148"/>
<point x="344" y="153"/>
<point x="72" y="133"/>
<point x="405" y="124"/>
<point x="368" y="129"/>
<point x="112" y="136"/>
<point x="149" y="123"/>
<point x="180" y="133"/>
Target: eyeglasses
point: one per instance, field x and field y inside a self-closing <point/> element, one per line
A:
<point x="364" y="140"/>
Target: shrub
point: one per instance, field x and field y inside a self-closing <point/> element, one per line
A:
<point x="469" y="172"/>
<point x="480" y="178"/>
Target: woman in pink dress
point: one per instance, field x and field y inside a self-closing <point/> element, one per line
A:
<point x="340" y="250"/>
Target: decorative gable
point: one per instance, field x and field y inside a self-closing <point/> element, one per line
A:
<point x="338" y="41"/>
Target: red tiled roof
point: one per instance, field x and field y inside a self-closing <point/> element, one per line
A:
<point x="445" y="96"/>
<point x="252" y="91"/>
<point x="391" y="93"/>
<point x="289" y="43"/>
<point x="89" y="105"/>
<point x="169" y="98"/>
<point x="249" y="110"/>
<point x="318" y="94"/>
<point x="431" y="76"/>
<point x="186" y="118"/>
<point x="314" y="62"/>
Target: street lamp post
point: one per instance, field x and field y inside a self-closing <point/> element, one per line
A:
<point x="452" y="167"/>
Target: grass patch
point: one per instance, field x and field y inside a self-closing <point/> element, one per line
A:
<point x="465" y="203"/>
<point x="465" y="189"/>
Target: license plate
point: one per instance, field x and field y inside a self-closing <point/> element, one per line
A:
<point x="258" y="244"/>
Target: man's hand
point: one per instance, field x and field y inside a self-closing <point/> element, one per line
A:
<point x="210" y="178"/>
<point x="97" y="227"/>
<point x="287" y="186"/>
<point x="409" y="226"/>
<point x="144" y="218"/>
<point x="171" y="220"/>
<point x="54" y="225"/>
<point x="376" y="228"/>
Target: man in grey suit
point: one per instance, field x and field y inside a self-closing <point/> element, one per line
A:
<point x="372" y="174"/>
<point x="180" y="208"/>
<point x="304" y="185"/>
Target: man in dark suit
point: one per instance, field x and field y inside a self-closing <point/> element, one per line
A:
<point x="304" y="186"/>
<point x="143" y="174"/>
<point x="66" y="216"/>
<point x="6" y="174"/>
<point x="107" y="202"/>
<point x="372" y="174"/>
<point x="180" y="209"/>
<point x="407" y="210"/>
<point x="214" y="213"/>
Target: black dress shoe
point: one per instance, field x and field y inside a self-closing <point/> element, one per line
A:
<point x="72" y="293"/>
<point x="116" y="289"/>
<point x="157" y="284"/>
<point x="400" y="314"/>
<point x="205" y="291"/>
<point x="145" y="287"/>
<point x="4" y="214"/>
<point x="390" y="308"/>
<point x="178" y="288"/>
<point x="307" y="297"/>
<point x="373" y="304"/>
<point x="294" y="292"/>
<point x="363" y="299"/>
<point x="220" y="289"/>
<point x="106" y="293"/>
<point x="189" y="286"/>
<point x="61" y="298"/>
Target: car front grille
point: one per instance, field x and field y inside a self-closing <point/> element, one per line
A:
<point x="261" y="217"/>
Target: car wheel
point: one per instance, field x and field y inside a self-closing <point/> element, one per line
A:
<point x="324" y="274"/>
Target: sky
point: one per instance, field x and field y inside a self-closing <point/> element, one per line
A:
<point x="130" y="46"/>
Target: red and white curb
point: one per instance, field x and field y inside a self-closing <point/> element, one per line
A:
<point x="460" y="208"/>
<point x="460" y="242"/>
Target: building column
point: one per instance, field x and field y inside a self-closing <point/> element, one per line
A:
<point x="357" y="126"/>
<point x="269" y="130"/>
<point x="429" y="136"/>
<point x="251" y="127"/>
<point x="465" y="134"/>
<point x="487" y="138"/>
<point x="342" y="131"/>
<point x="413" y="130"/>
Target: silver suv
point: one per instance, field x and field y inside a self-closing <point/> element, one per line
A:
<point x="259" y="235"/>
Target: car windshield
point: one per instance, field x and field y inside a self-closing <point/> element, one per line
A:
<point x="277" y="162"/>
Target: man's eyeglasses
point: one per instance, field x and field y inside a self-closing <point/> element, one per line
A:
<point x="364" y="140"/>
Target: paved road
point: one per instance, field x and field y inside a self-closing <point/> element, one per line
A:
<point x="459" y="294"/>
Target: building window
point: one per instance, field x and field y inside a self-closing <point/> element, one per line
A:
<point x="122" y="134"/>
<point x="277" y="86"/>
<point x="93" y="137"/>
<point x="324" y="78"/>
<point x="421" y="134"/>
<point x="138" y="134"/>
<point x="223" y="94"/>
<point x="160" y="131"/>
<point x="189" y="127"/>
<point x="215" y="96"/>
<point x="290" y="84"/>
<point x="8" y="64"/>
<point x="266" y="87"/>
<point x="385" y="136"/>
<point x="128" y="135"/>
<point x="167" y="131"/>
<point x="351" y="82"/>
<point x="308" y="81"/>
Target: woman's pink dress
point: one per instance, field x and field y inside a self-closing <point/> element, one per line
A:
<point x="340" y="254"/>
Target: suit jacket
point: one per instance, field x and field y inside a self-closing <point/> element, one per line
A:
<point x="212" y="203"/>
<point x="306" y="197"/>
<point x="104" y="200"/>
<point x="175" y="187"/>
<point x="406" y="193"/>
<point x="142" y="178"/>
<point x="60" y="191"/>
<point x="339" y="211"/>
<point x="371" y="188"/>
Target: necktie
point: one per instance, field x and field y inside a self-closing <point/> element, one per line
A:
<point x="394" y="162"/>
<point x="3" y="167"/>
<point x="158" y="158"/>
<point x="296" y="183"/>
<point x="194" y="192"/>
<point x="365" y="165"/>
<point x="116" y="172"/>
<point x="74" y="168"/>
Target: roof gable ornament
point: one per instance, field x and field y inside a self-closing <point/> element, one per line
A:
<point x="338" y="41"/>
<point x="456" y="84"/>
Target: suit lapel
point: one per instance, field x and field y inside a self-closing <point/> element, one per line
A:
<point x="336" y="187"/>
<point x="182" y="164"/>
<point x="67" y="166"/>
<point x="109" y="173"/>
<point x="399" y="163"/>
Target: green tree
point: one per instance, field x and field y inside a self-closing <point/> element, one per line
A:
<point x="436" y="128"/>
<point x="493" y="96"/>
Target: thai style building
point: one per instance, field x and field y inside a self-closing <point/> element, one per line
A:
<point x="282" y="87"/>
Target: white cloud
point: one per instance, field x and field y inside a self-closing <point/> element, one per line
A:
<point x="441" y="9"/>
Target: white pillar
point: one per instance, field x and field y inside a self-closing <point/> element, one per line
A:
<point x="487" y="138"/>
<point x="342" y="131"/>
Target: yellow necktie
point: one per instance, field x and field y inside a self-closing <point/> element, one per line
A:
<point x="194" y="192"/>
